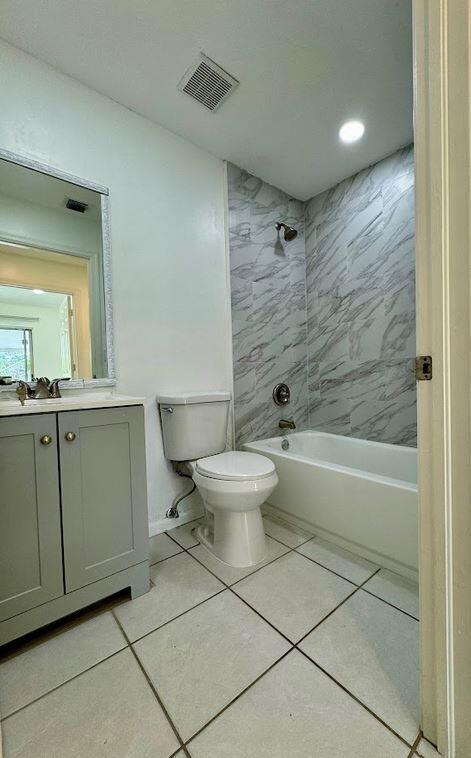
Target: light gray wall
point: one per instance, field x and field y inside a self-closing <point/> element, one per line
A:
<point x="39" y="226"/>
<point x="167" y="211"/>
<point x="360" y="259"/>
<point x="356" y="261"/>
<point x="268" y="284"/>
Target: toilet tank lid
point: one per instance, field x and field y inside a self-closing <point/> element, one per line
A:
<point x="187" y="398"/>
<point x="236" y="466"/>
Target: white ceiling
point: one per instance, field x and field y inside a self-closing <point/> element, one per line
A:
<point x="23" y="296"/>
<point x="304" y="67"/>
<point x="33" y="187"/>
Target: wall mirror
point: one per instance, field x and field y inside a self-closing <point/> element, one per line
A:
<point x="55" y="301"/>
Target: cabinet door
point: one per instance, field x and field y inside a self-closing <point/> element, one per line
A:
<point x="30" y="529"/>
<point x="104" y="499"/>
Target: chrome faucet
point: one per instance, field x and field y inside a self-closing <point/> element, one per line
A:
<point x="43" y="389"/>
<point x="286" y="424"/>
<point x="24" y="391"/>
<point x="54" y="389"/>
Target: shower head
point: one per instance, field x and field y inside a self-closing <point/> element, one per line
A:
<point x="289" y="231"/>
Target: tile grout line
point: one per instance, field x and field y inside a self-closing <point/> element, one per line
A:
<point x="292" y="647"/>
<point x="167" y="558"/>
<point x="168" y="531"/>
<point x="315" y="537"/>
<point x="226" y="587"/>
<point x="416" y="744"/>
<point x="152" y="687"/>
<point x="185" y="549"/>
<point x="277" y="539"/>
<point x="62" y="684"/>
<point x="189" y="549"/>
<point x="229" y="587"/>
<point x="262" y="617"/>
<point x="336" y="572"/>
<point x="56" y="628"/>
<point x="239" y="695"/>
<point x="295" y="645"/>
<point x="354" y="697"/>
<point x="357" y="588"/>
<point x="292" y="550"/>
<point x="391" y="605"/>
<point x="268" y="563"/>
<point x="183" y="613"/>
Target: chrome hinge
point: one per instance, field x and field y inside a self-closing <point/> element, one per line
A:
<point x="423" y="368"/>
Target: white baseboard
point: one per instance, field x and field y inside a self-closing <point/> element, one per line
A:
<point x="188" y="513"/>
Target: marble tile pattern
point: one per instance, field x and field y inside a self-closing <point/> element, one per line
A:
<point x="332" y="313"/>
<point x="268" y="292"/>
<point x="360" y="274"/>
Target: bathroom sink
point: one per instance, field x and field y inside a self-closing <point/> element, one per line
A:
<point x="11" y="406"/>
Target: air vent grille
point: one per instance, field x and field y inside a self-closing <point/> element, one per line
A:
<point x="76" y="205"/>
<point x="207" y="83"/>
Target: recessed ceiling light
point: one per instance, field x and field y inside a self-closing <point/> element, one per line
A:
<point x="38" y="292"/>
<point x="351" y="131"/>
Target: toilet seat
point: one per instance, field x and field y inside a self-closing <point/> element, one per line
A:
<point x="236" y="467"/>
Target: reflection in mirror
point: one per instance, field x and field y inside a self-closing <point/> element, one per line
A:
<point x="52" y="310"/>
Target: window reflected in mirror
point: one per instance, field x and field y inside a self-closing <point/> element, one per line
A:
<point x="52" y="310"/>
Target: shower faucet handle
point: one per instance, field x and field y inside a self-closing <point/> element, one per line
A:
<point x="281" y="394"/>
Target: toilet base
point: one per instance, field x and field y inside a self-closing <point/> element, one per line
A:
<point x="237" y="538"/>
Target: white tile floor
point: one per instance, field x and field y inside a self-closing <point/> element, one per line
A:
<point x="311" y="654"/>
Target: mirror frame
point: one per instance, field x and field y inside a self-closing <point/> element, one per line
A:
<point x="43" y="168"/>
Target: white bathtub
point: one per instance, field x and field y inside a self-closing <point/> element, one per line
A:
<point x="360" y="494"/>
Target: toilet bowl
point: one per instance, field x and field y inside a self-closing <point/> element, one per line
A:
<point x="233" y="486"/>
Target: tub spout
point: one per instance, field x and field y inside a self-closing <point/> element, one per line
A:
<point x="286" y="424"/>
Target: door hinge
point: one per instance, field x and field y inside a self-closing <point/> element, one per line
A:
<point x="423" y="368"/>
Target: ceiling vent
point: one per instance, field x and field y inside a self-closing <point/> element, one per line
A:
<point x="207" y="83"/>
<point x="76" y="205"/>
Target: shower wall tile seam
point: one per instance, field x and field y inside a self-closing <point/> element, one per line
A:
<point x="268" y="278"/>
<point x="360" y="303"/>
<point x="344" y="346"/>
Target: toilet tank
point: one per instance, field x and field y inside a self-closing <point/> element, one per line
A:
<point x="194" y="425"/>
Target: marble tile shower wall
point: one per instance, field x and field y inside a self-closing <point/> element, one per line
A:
<point x="360" y="262"/>
<point x="268" y="285"/>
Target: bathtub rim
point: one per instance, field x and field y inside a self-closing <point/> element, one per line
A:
<point x="263" y="446"/>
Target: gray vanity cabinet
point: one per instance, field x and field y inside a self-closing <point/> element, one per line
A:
<point x="30" y="521"/>
<point x="73" y="512"/>
<point x="103" y="481"/>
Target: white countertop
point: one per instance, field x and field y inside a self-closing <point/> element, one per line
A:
<point x="11" y="406"/>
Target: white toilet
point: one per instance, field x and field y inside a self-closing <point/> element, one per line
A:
<point x="233" y="485"/>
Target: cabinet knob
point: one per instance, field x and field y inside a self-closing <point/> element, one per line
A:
<point x="70" y="436"/>
<point x="46" y="439"/>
